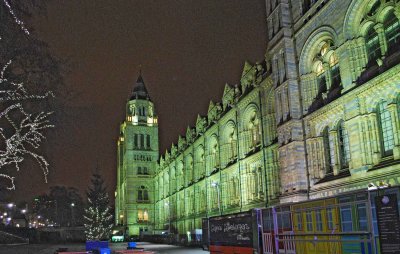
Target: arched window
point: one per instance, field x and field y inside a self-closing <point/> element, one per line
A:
<point x="327" y="150"/>
<point x="344" y="147"/>
<point x="386" y="129"/>
<point x="143" y="215"/>
<point x="189" y="169"/>
<point x="213" y="152"/>
<point x="229" y="147"/>
<point x="321" y="79"/>
<point x="143" y="194"/>
<point x="215" y="192"/>
<point x="392" y="31"/>
<point x="166" y="182"/>
<point x="334" y="65"/>
<point x="372" y="43"/>
<point x="252" y="132"/>
<point x="199" y="168"/>
<point x="255" y="130"/>
<point x="180" y="175"/>
<point x="326" y="67"/>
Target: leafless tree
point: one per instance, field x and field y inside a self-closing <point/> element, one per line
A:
<point x="28" y="74"/>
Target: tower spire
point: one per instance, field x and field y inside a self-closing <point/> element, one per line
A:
<point x="139" y="89"/>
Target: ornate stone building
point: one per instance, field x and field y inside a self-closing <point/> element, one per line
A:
<point x="320" y="116"/>
<point x="137" y="158"/>
<point x="226" y="163"/>
<point x="335" y="71"/>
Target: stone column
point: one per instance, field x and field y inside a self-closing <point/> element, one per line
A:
<point x="347" y="63"/>
<point x="376" y="145"/>
<point x="328" y="75"/>
<point x="355" y="140"/>
<point x="393" y="109"/>
<point x="368" y="140"/>
<point x="336" y="163"/>
<point x="382" y="38"/>
<point x="362" y="55"/>
<point x="321" y="160"/>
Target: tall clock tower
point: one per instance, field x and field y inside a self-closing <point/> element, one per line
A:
<point x="136" y="163"/>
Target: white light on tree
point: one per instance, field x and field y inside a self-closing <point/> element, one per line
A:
<point x="21" y="132"/>
<point x="98" y="217"/>
<point x="16" y="19"/>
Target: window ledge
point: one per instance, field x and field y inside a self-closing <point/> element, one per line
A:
<point x="331" y="177"/>
<point x="253" y="150"/>
<point x="385" y="162"/>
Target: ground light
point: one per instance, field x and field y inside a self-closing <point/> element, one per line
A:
<point x="104" y="251"/>
<point x="117" y="238"/>
<point x="131" y="245"/>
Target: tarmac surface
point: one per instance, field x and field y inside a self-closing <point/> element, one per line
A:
<point x="51" y="248"/>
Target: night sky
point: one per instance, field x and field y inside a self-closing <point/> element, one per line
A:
<point x="188" y="50"/>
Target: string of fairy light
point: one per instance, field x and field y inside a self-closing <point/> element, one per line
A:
<point x="28" y="130"/>
<point x="16" y="19"/>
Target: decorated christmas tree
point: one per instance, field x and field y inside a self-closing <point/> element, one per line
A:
<point x="98" y="217"/>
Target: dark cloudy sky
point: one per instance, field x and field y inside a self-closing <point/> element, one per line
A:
<point x="188" y="50"/>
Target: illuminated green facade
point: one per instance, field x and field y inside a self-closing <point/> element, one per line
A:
<point x="137" y="157"/>
<point x="226" y="163"/>
<point x="320" y="116"/>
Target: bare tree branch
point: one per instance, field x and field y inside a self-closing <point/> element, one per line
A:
<point x="22" y="126"/>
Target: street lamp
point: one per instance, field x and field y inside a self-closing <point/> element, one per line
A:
<point x="72" y="214"/>
<point x="216" y="185"/>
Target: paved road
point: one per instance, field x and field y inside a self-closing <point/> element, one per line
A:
<point x="50" y="248"/>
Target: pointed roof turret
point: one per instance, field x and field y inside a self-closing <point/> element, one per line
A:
<point x="139" y="90"/>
